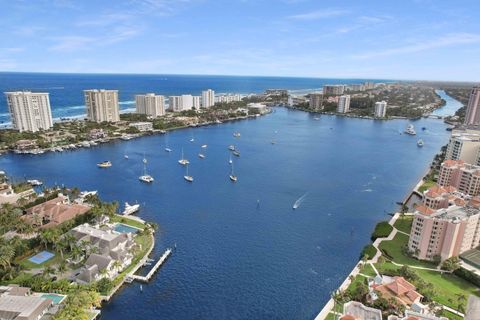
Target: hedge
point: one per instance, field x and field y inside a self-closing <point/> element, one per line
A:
<point x="368" y="251"/>
<point x="468" y="276"/>
<point x="382" y="230"/>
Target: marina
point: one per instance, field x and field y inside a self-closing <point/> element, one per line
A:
<point x="152" y="271"/>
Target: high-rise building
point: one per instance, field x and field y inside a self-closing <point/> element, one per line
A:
<point x="187" y="101"/>
<point x="180" y="103"/>
<point x="343" y="104"/>
<point x="369" y="85"/>
<point x="208" y="98"/>
<point x="445" y="232"/>
<point x="196" y="102"/>
<point x="380" y="109"/>
<point x="29" y="111"/>
<point x="316" y="101"/>
<point x="463" y="176"/>
<point x="333" y="89"/>
<point x="150" y="104"/>
<point x="102" y="105"/>
<point x="472" y="116"/>
<point x="464" y="145"/>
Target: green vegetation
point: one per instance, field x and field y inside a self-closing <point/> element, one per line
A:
<point x="396" y="250"/>
<point x="404" y="223"/>
<point x="426" y="185"/>
<point x="451" y="264"/>
<point x="468" y="276"/>
<point x="382" y="230"/>
<point x="21" y="187"/>
<point x="450" y="315"/>
<point x="367" y="270"/>
<point x="369" y="251"/>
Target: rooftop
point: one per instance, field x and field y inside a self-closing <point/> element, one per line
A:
<point x="22" y="306"/>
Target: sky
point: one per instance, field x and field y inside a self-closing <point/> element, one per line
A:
<point x="387" y="39"/>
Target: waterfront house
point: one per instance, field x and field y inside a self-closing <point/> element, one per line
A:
<point x="53" y="212"/>
<point x="17" y="303"/>
<point x="397" y="288"/>
<point x="354" y="310"/>
<point x="108" y="251"/>
<point x="25" y="145"/>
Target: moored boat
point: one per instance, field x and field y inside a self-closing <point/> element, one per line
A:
<point x="104" y="164"/>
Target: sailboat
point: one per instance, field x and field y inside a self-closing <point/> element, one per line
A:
<point x="201" y="155"/>
<point x="144" y="159"/>
<point x="233" y="177"/>
<point x="183" y="161"/>
<point x="188" y="177"/>
<point x="145" y="177"/>
<point x="192" y="139"/>
<point x="167" y="148"/>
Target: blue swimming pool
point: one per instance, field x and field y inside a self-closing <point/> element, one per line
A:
<point x="41" y="257"/>
<point x="123" y="228"/>
<point x="57" y="298"/>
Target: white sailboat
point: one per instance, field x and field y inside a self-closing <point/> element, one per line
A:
<point x="233" y="177"/>
<point x="201" y="154"/>
<point x="183" y="161"/>
<point x="167" y="148"/>
<point x="144" y="159"/>
<point x="145" y="177"/>
<point x="188" y="177"/>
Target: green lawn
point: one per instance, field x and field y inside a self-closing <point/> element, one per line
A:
<point x="446" y="286"/>
<point x="393" y="249"/>
<point x="27" y="264"/>
<point x="426" y="185"/>
<point x="404" y="223"/>
<point x="368" y="270"/>
<point x="126" y="220"/>
<point x="356" y="281"/>
<point x="450" y="316"/>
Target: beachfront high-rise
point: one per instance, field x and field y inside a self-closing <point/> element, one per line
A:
<point x="380" y="109"/>
<point x="472" y="116"/>
<point x="150" y="104"/>
<point x="29" y="111"/>
<point x="208" y="98"/>
<point x="316" y="101"/>
<point x="444" y="233"/>
<point x="343" y="104"/>
<point x="196" y="102"/>
<point x="333" y="89"/>
<point x="102" y="105"/>
<point x="180" y="103"/>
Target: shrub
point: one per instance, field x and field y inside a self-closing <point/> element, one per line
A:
<point x="382" y="230"/>
<point x="368" y="251"/>
<point x="451" y="264"/>
<point x="468" y="276"/>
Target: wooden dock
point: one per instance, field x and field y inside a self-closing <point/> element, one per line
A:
<point x="157" y="265"/>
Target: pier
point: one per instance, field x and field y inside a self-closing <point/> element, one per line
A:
<point x="157" y="265"/>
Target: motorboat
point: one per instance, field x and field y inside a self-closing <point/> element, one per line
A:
<point x="420" y="143"/>
<point x="410" y="130"/>
<point x="35" y="182"/>
<point x="104" y="164"/>
<point x="129" y="209"/>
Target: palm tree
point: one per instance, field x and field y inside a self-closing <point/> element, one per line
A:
<point x="7" y="253"/>
<point x="62" y="267"/>
<point x="117" y="265"/>
<point x="47" y="271"/>
<point x="461" y="298"/>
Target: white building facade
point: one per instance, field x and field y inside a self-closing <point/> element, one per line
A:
<point x="208" y="98"/>
<point x="29" y="111"/>
<point x="102" y="105"/>
<point x="150" y="104"/>
<point x="343" y="104"/>
<point x="380" y="109"/>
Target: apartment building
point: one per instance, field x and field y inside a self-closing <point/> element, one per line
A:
<point x="102" y="105"/>
<point x="463" y="176"/>
<point x="29" y="111"/>
<point x="150" y="104"/>
<point x="343" y="105"/>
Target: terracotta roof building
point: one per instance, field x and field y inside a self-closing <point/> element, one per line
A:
<point x="399" y="289"/>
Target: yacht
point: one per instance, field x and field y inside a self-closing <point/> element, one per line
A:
<point x="233" y="177"/>
<point x="236" y="134"/>
<point x="420" y="143"/>
<point x="236" y="153"/>
<point x="129" y="209"/>
<point x="183" y="161"/>
<point x="35" y="182"/>
<point x="125" y="156"/>
<point x="204" y="146"/>
<point x="188" y="177"/>
<point x="410" y="130"/>
<point x="201" y="156"/>
<point x="231" y="147"/>
<point x="104" y="164"/>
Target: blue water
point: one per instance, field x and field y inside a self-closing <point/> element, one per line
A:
<point x="66" y="90"/>
<point x="450" y="107"/>
<point x="234" y="259"/>
<point x="41" y="257"/>
<point x="123" y="228"/>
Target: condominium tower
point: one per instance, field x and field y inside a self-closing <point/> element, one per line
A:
<point x="208" y="98"/>
<point x="464" y="145"/>
<point x="330" y="89"/>
<point x="380" y="109"/>
<point x="472" y="116"/>
<point x="29" y="111"/>
<point x="463" y="176"/>
<point x="343" y="104"/>
<point x="316" y="101"/>
<point x="150" y="104"/>
<point x="102" y="105"/>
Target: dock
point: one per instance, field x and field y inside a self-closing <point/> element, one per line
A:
<point x="157" y="265"/>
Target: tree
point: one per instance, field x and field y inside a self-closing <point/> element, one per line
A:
<point x="461" y="299"/>
<point x="7" y="253"/>
<point x="451" y="264"/>
<point x="104" y="285"/>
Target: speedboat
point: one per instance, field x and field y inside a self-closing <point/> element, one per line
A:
<point x="231" y="147"/>
<point x="410" y="130"/>
<point x="236" y="134"/>
<point x="168" y="150"/>
<point x="204" y="146"/>
<point x="125" y="156"/>
<point x="104" y="164"/>
<point x="129" y="209"/>
<point x="201" y="156"/>
<point x="420" y="143"/>
<point x="233" y="178"/>
<point x="146" y="178"/>
<point x="35" y="182"/>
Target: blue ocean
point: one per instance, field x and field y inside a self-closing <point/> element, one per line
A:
<point x="242" y="251"/>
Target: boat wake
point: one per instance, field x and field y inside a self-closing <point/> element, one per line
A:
<point x="299" y="201"/>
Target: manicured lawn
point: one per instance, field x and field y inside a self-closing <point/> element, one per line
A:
<point x="368" y="270"/>
<point x="125" y="220"/>
<point x="393" y="249"/>
<point x="450" y="316"/>
<point x="357" y="281"/>
<point x="446" y="286"/>
<point x="404" y="223"/>
<point x="27" y="264"/>
<point x="426" y="185"/>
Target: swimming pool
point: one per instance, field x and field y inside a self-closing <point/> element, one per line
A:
<point x="41" y="257"/>
<point x="57" y="298"/>
<point x="123" y="228"/>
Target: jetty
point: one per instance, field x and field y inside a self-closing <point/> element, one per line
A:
<point x="157" y="265"/>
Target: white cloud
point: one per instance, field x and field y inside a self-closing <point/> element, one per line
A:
<point x="447" y="40"/>
<point x="320" y="14"/>
<point x="72" y="43"/>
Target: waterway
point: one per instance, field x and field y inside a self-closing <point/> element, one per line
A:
<point x="242" y="251"/>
